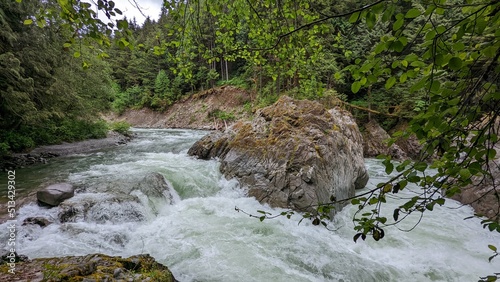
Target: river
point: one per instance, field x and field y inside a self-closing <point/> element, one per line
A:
<point x="201" y="237"/>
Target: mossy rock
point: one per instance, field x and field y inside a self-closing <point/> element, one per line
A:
<point x="94" y="267"/>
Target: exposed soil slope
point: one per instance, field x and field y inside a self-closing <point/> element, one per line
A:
<point x="199" y="111"/>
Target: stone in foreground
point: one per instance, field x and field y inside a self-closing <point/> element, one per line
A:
<point x="55" y="194"/>
<point x="293" y="154"/>
<point x="94" y="267"/>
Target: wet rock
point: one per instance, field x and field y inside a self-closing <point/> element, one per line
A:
<point x="102" y="208"/>
<point x="375" y="143"/>
<point x="12" y="257"/>
<point x="294" y="154"/>
<point x="155" y="191"/>
<point x="409" y="144"/>
<point x="94" y="267"/>
<point x="154" y="185"/>
<point x="55" y="194"/>
<point x="40" y="221"/>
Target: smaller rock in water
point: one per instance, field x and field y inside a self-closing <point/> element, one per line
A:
<point x="40" y="221"/>
<point x="157" y="190"/>
<point x="55" y="194"/>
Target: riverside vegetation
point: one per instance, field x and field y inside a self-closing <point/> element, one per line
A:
<point x="432" y="64"/>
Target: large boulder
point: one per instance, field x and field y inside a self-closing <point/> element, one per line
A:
<point x="294" y="154"/>
<point x="55" y="194"/>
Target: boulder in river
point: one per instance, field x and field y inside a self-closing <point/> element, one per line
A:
<point x="293" y="154"/>
<point x="157" y="191"/>
<point x="102" y="207"/>
<point x="55" y="194"/>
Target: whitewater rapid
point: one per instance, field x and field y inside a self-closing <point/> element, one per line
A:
<point x="201" y="237"/>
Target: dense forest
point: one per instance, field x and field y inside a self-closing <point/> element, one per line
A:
<point x="432" y="63"/>
<point x="53" y="77"/>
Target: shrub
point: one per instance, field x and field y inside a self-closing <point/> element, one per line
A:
<point x="121" y="127"/>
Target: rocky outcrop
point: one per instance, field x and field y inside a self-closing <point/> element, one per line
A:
<point x="89" y="268"/>
<point x="294" y="154"/>
<point x="55" y="194"/>
<point x="409" y="144"/>
<point x="483" y="195"/>
<point x="375" y="143"/>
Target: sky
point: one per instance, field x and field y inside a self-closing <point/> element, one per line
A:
<point x="150" y="8"/>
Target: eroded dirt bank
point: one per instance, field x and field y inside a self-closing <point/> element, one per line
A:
<point x="211" y="109"/>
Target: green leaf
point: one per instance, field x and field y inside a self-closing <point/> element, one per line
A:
<point x="493" y="248"/>
<point x="455" y="63"/>
<point x="491" y="154"/>
<point x="412" y="13"/>
<point x="435" y="86"/>
<point x="122" y="24"/>
<point x="398" y="24"/>
<point x="67" y="45"/>
<point x="421" y="166"/>
<point x="413" y="178"/>
<point x="389" y="167"/>
<point x="440" y="201"/>
<point x="76" y="54"/>
<point x="28" y="21"/>
<point x="354" y="17"/>
<point x="397" y="46"/>
<point x="380" y="48"/>
<point x="40" y="22"/>
<point x="355" y="87"/>
<point x="390" y="82"/>
<point x="465" y="173"/>
<point x="403" y="78"/>
<point x="371" y="19"/>
<point x="373" y="201"/>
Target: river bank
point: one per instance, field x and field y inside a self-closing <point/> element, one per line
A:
<point x="44" y="153"/>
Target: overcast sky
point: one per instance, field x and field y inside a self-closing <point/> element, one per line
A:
<point x="150" y="8"/>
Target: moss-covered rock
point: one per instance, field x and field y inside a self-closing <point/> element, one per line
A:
<point x="94" y="267"/>
<point x="293" y="154"/>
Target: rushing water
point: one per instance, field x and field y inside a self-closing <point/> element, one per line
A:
<point x="202" y="238"/>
